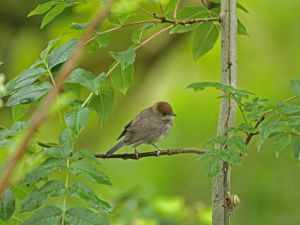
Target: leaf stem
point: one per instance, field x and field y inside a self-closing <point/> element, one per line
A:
<point x="240" y="108"/>
<point x="175" y="10"/>
<point x="66" y="192"/>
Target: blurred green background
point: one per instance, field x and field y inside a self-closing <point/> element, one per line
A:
<point x="269" y="187"/>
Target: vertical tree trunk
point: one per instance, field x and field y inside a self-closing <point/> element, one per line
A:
<point x="221" y="182"/>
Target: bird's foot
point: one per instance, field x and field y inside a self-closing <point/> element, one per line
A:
<point x="157" y="152"/>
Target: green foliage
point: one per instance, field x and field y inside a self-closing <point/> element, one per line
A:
<point x="83" y="216"/>
<point x="48" y="215"/>
<point x="205" y="38"/>
<point x="76" y="119"/>
<point x="7" y="205"/>
<point x="122" y="77"/>
<point x="295" y="84"/>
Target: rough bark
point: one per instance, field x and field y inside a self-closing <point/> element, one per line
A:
<point x="221" y="182"/>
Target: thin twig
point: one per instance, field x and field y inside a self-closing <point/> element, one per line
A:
<point x="240" y="108"/>
<point x="203" y="2"/>
<point x="153" y="153"/>
<point x="136" y="48"/>
<point x="176" y="9"/>
<point x="41" y="113"/>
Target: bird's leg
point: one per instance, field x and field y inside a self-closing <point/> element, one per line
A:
<point x="158" y="149"/>
<point x="136" y="153"/>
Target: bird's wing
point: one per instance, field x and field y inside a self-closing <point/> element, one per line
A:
<point x="125" y="129"/>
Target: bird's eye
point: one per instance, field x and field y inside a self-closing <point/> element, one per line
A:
<point x="164" y="113"/>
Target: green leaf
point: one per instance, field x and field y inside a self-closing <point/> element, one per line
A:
<point x="85" y="78"/>
<point x="54" y="12"/>
<point x="241" y="29"/>
<point x="24" y="79"/>
<point x="83" y="154"/>
<point x="205" y="38"/>
<point x="103" y="40"/>
<point x="137" y="35"/>
<point x="191" y="12"/>
<point x="62" y="53"/>
<point x="212" y="167"/>
<point x="76" y="119"/>
<point x="125" y="58"/>
<point x="230" y="156"/>
<point x="66" y="140"/>
<point x="79" y="26"/>
<point x="179" y="29"/>
<point x="103" y="101"/>
<point x="49" y="215"/>
<point x="296" y="148"/>
<point x="122" y="78"/>
<point x="267" y="128"/>
<point x="83" y="216"/>
<point x="84" y="192"/>
<point x="44" y="54"/>
<point x="237" y="144"/>
<point x="42" y="8"/>
<point x="55" y="152"/>
<point x="28" y="94"/>
<point x="239" y="6"/>
<point x="7" y="205"/>
<point x="281" y="141"/>
<point x="199" y="86"/>
<point x="169" y="7"/>
<point x="295" y="84"/>
<point x="36" y="198"/>
<point x="90" y="172"/>
<point x="18" y="111"/>
<point x="46" y="168"/>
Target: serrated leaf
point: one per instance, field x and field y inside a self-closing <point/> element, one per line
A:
<point x="84" y="192"/>
<point x="66" y="140"/>
<point x="28" y="94"/>
<point x="103" y="101"/>
<point x="205" y="38"/>
<point x="241" y="29"/>
<point x="89" y="171"/>
<point x="83" y="216"/>
<point x="55" y="152"/>
<point x="46" y="168"/>
<point x="237" y="144"/>
<point x="79" y="26"/>
<point x="83" y="154"/>
<point x="76" y="119"/>
<point x="199" y="86"/>
<point x="103" y="40"/>
<point x="191" y="12"/>
<point x="62" y="53"/>
<point x="54" y="12"/>
<point x="45" y="52"/>
<point x="36" y="198"/>
<point x="230" y="156"/>
<point x="281" y="141"/>
<point x="49" y="215"/>
<point x="7" y="205"/>
<point x="42" y="8"/>
<point x="25" y="78"/>
<point x="83" y="77"/>
<point x="122" y="77"/>
<point x="295" y="85"/>
<point x="125" y="58"/>
<point x="18" y="111"/>
<point x="267" y="128"/>
<point x="296" y="148"/>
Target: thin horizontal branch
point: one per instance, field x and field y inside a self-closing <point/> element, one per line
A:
<point x="185" y="22"/>
<point x="140" y="155"/>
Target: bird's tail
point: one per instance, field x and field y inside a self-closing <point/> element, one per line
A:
<point x="115" y="148"/>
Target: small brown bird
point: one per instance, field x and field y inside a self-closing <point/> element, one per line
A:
<point x="149" y="126"/>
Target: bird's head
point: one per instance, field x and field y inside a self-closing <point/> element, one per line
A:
<point x="164" y="110"/>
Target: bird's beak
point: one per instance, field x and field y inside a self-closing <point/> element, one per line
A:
<point x="174" y="114"/>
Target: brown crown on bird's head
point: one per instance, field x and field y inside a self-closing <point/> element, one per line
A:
<point x="164" y="109"/>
